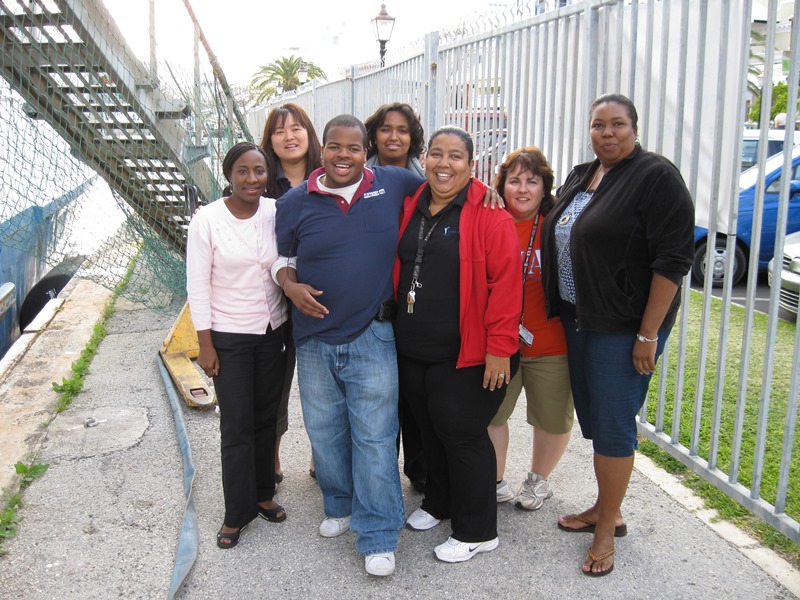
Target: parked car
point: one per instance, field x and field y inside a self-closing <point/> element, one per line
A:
<point x="491" y="148"/>
<point x="790" y="273"/>
<point x="744" y="225"/>
<point x="750" y="141"/>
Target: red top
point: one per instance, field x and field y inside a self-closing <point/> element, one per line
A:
<point x="548" y="334"/>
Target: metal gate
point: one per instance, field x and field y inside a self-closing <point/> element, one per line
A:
<point x="525" y="77"/>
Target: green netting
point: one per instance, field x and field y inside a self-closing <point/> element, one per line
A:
<point x="106" y="150"/>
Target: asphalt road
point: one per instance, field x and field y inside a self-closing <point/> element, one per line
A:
<point x="739" y="296"/>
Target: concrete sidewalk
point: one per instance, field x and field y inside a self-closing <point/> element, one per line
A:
<point x="103" y="521"/>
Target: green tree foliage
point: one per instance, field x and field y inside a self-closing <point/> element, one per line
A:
<point x="780" y="93"/>
<point x="284" y="73"/>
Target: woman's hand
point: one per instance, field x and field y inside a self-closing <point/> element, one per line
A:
<point x="498" y="371"/>
<point x="208" y="361"/>
<point x="207" y="357"/>
<point x="302" y="296"/>
<point x="492" y="199"/>
<point x="644" y="357"/>
<point x="662" y="292"/>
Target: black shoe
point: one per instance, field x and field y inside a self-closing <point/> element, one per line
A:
<point x="273" y="515"/>
<point x="229" y="540"/>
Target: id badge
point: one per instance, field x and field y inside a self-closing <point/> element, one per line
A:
<point x="525" y="335"/>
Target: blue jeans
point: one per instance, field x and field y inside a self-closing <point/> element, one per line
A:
<point x="607" y="390"/>
<point x="349" y="397"/>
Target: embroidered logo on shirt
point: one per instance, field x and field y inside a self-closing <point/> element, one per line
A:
<point x="379" y="192"/>
<point x="449" y="231"/>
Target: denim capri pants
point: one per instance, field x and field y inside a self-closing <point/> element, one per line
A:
<point x="607" y="391"/>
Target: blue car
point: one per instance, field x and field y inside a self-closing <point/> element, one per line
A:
<point x="744" y="225"/>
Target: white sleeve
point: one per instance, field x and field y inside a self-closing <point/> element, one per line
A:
<point x="199" y="257"/>
<point x="282" y="262"/>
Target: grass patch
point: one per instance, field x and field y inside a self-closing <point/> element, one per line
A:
<point x="9" y="519"/>
<point x="9" y="514"/>
<point x="69" y="388"/>
<point x="776" y="416"/>
<point x="28" y="473"/>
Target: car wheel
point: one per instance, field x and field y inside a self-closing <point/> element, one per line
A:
<point x="718" y="260"/>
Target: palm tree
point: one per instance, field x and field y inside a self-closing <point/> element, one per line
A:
<point x="755" y="67"/>
<point x="283" y="73"/>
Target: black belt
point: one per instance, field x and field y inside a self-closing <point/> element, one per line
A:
<point x="387" y="311"/>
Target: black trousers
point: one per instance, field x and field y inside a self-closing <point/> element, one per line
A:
<point x="291" y="356"/>
<point x="248" y="388"/>
<point x="413" y="458"/>
<point x="453" y="410"/>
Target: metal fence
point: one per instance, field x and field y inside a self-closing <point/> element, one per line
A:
<point x="724" y="403"/>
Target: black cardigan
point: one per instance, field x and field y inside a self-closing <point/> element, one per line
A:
<point x="640" y="221"/>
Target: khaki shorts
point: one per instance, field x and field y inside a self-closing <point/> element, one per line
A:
<point x="548" y="392"/>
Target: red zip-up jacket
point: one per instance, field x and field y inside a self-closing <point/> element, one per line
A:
<point x="490" y="277"/>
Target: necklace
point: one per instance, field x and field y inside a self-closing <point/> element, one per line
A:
<point x="601" y="172"/>
<point x="324" y="180"/>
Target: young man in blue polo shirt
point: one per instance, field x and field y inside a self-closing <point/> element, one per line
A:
<point x="338" y="236"/>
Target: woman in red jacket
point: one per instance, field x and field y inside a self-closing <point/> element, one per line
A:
<point x="458" y="280"/>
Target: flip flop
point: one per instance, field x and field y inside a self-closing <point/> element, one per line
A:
<point x="273" y="515"/>
<point x="619" y="530"/>
<point x="597" y="558"/>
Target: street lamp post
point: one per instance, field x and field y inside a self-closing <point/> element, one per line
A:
<point x="383" y="25"/>
<point x="302" y="73"/>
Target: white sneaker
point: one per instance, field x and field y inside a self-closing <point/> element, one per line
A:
<point x="534" y="491"/>
<point x="380" y="565"/>
<point x="503" y="492"/>
<point x="422" y="520"/>
<point x="453" y="551"/>
<point x="332" y="526"/>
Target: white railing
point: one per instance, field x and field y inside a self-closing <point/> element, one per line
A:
<point x="529" y="78"/>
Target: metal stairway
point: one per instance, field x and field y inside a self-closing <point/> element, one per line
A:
<point x="71" y="64"/>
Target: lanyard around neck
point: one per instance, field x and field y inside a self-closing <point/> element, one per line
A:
<point x="526" y="263"/>
<point x="529" y="251"/>
<point x="422" y="242"/>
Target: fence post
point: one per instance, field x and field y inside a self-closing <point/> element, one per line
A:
<point x="152" y="32"/>
<point x="431" y="60"/>
<point x="352" y="78"/>
<point x="590" y="73"/>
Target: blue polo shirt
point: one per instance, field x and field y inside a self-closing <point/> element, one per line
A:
<point x="347" y="252"/>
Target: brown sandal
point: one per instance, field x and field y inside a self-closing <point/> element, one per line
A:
<point x="597" y="558"/>
<point x="619" y="530"/>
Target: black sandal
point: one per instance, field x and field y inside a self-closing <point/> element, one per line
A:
<point x="229" y="540"/>
<point x="273" y="515"/>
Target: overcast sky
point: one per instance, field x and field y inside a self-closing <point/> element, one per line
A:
<point x="247" y="33"/>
